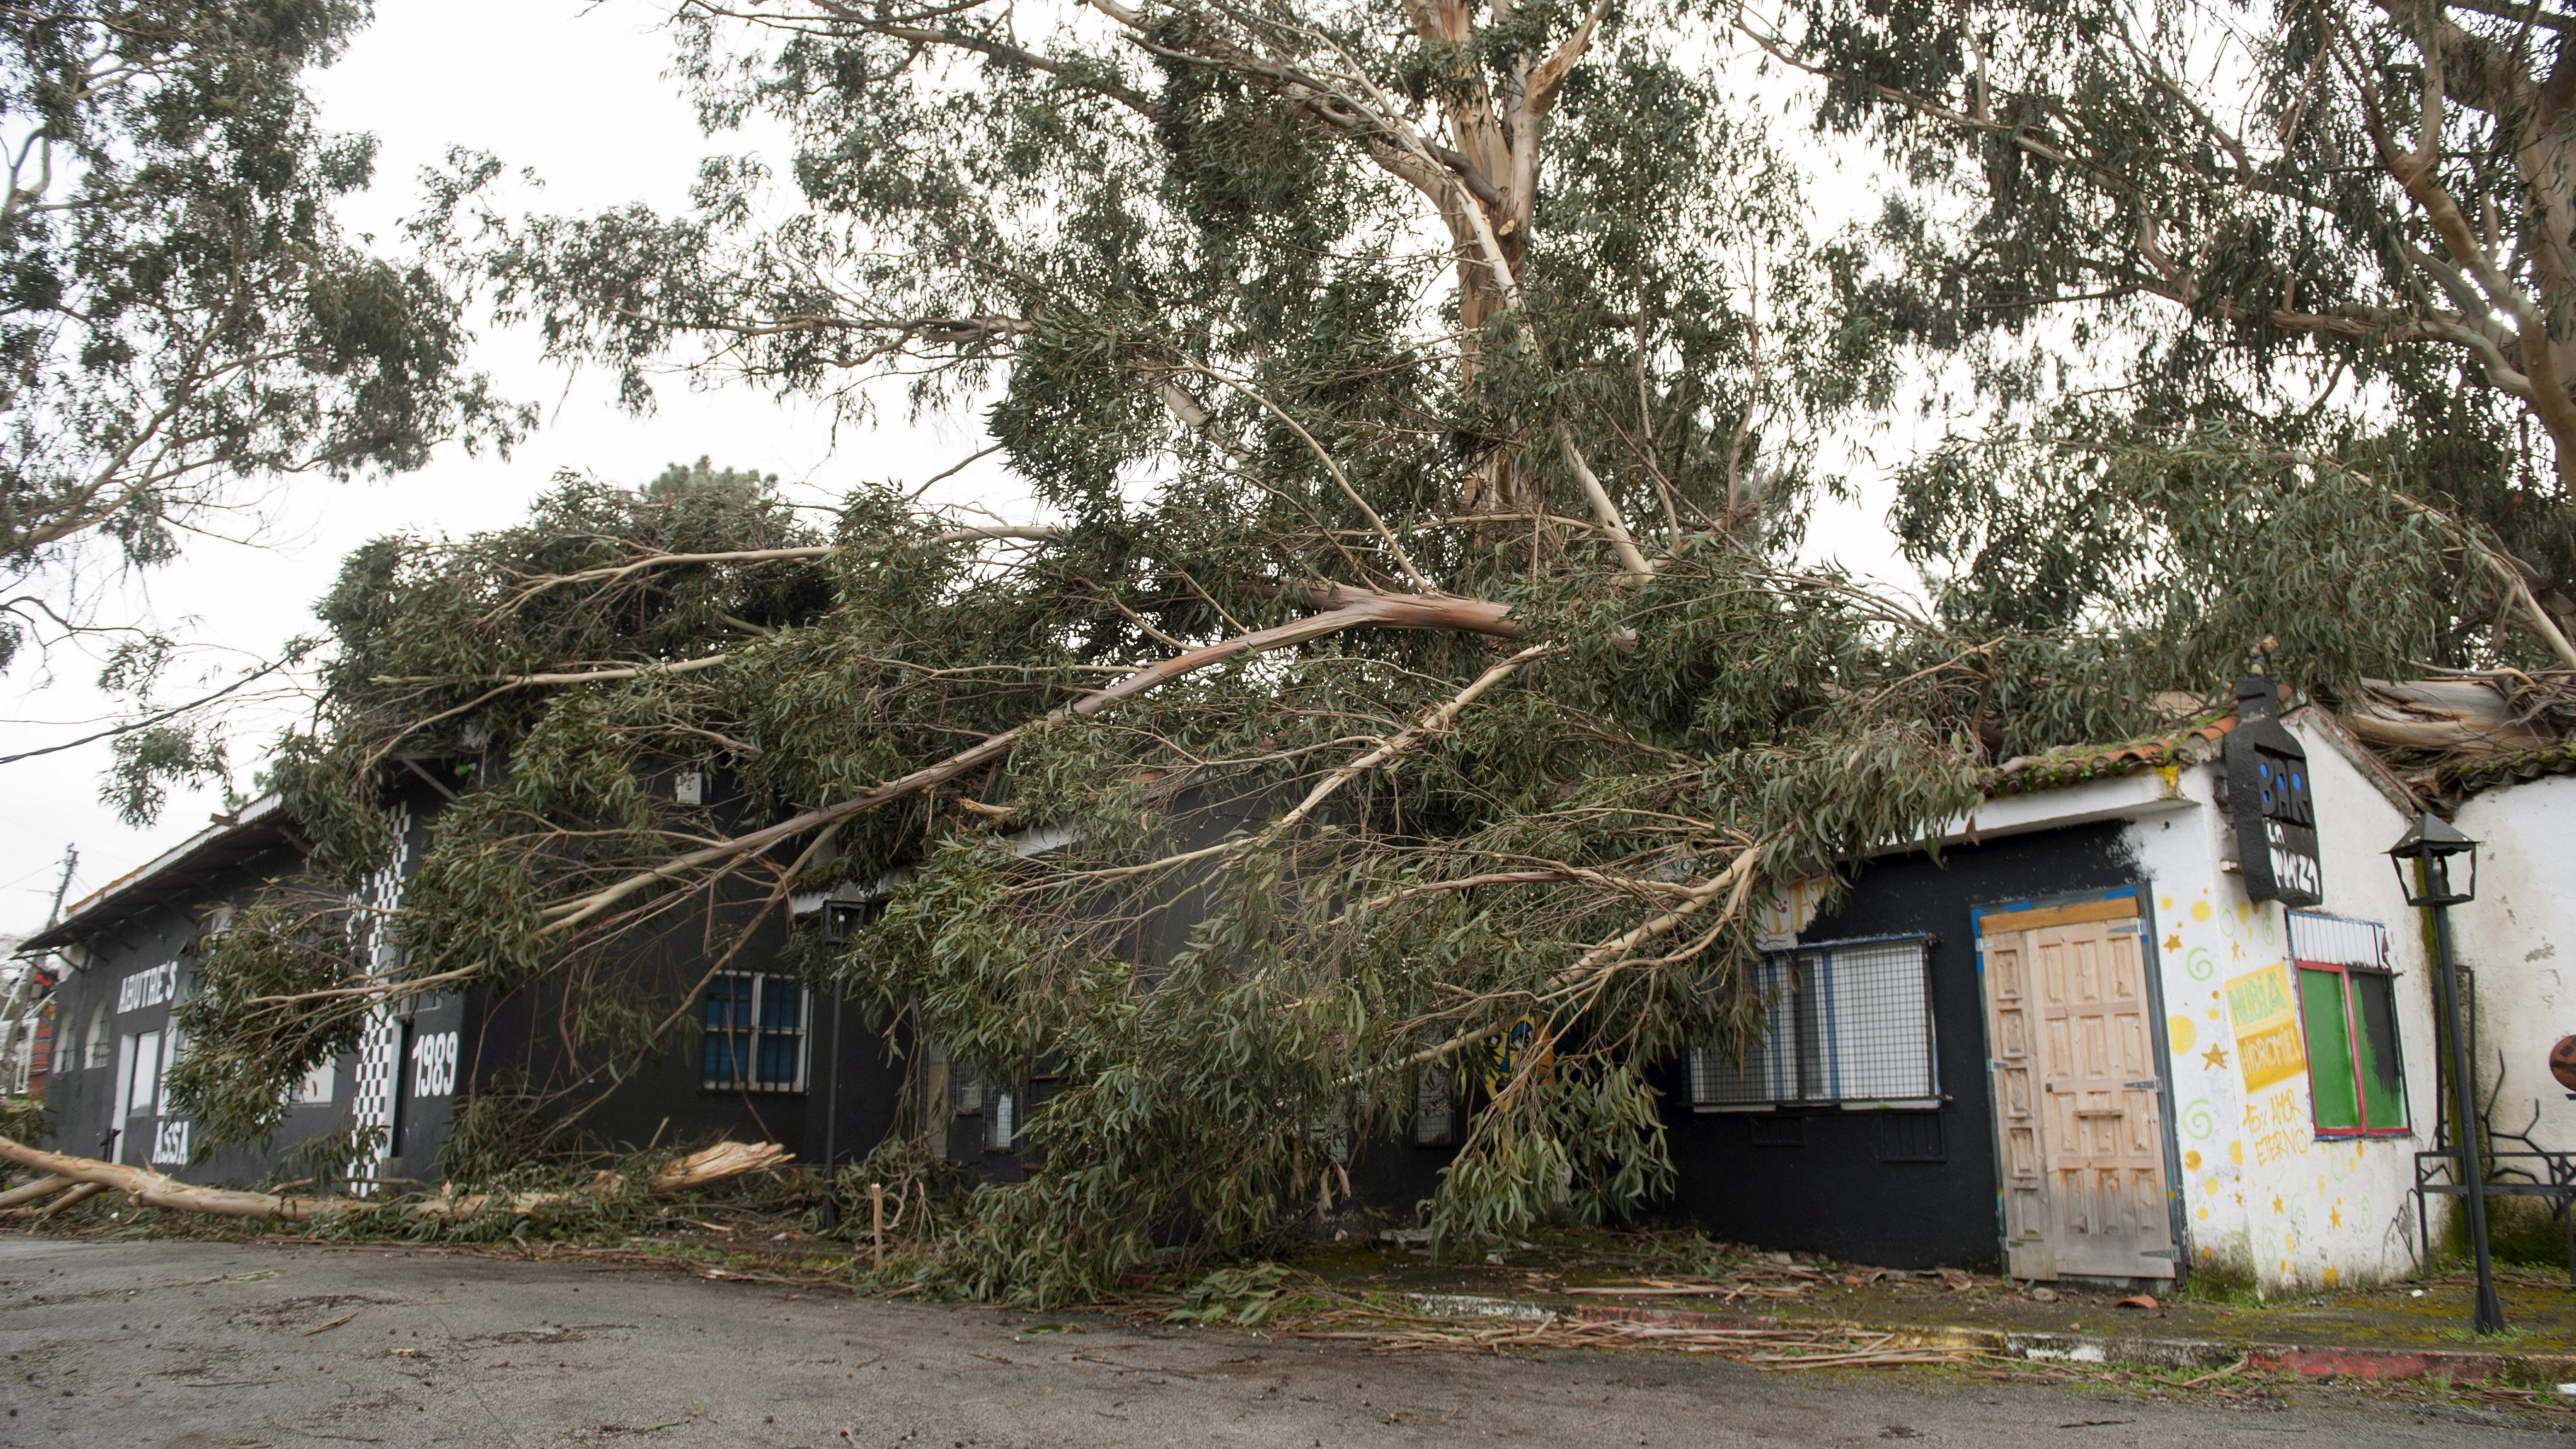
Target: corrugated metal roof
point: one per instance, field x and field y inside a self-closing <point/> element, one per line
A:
<point x="191" y="865"/>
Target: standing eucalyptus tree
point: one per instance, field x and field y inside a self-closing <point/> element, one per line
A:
<point x="2323" y="253"/>
<point x="182" y="319"/>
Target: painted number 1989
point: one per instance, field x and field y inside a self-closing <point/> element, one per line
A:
<point x="433" y="1072"/>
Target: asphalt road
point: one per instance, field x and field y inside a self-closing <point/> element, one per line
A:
<point x="150" y="1345"/>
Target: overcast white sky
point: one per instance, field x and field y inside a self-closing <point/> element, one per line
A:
<point x="575" y="91"/>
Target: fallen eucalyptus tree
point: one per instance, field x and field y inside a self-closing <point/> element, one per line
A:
<point x="1427" y="401"/>
<point x="69" y="1180"/>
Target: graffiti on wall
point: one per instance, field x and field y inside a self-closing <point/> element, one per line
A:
<point x="2265" y="1195"/>
<point x="2277" y="1127"/>
<point x="2270" y="1047"/>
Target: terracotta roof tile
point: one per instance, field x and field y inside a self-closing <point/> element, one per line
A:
<point x="2189" y="745"/>
<point x="2464" y="777"/>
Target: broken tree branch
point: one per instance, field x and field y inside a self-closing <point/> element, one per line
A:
<point x="153" y="1189"/>
<point x="88" y="1176"/>
<point x="1359" y="610"/>
<point x="1402" y="742"/>
<point x="1032" y="534"/>
<point x="43" y="1187"/>
<point x="1636" y="563"/>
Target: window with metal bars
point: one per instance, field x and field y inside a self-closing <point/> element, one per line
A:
<point x="998" y="1109"/>
<point x="755" y="1034"/>
<point x="2348" y="1008"/>
<point x="1846" y="1024"/>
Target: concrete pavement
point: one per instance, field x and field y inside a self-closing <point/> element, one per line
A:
<point x="194" y="1345"/>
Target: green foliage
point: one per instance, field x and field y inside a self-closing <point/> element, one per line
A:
<point x="26" y="1119"/>
<point x="179" y="310"/>
<point x="1247" y="1296"/>
<point x="1192" y="293"/>
<point x="149" y="761"/>
<point x="320" y="1165"/>
<point x="2200" y="235"/>
<point x="497" y="1137"/>
<point x="2184" y="543"/>
<point x="266" y="1010"/>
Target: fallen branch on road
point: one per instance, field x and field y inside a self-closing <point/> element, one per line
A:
<point x="79" y="1178"/>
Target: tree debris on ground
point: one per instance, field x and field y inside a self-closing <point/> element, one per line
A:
<point x="1763" y="1348"/>
<point x="79" y="1178"/>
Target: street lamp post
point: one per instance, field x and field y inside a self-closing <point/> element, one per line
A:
<point x="2425" y="860"/>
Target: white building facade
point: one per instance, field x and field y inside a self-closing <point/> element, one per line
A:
<point x="2298" y="1046"/>
<point x="2517" y="940"/>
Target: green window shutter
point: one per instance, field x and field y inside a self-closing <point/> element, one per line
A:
<point x="2329" y="1049"/>
<point x="2383" y="1087"/>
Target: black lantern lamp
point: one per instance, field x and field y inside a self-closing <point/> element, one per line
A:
<point x="2436" y="864"/>
<point x="2438" y="868"/>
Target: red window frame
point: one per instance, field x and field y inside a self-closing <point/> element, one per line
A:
<point x="2345" y="971"/>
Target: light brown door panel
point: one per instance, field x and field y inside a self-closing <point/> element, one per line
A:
<point x="2075" y="1096"/>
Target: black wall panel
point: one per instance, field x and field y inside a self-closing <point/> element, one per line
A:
<point x="1899" y="1189"/>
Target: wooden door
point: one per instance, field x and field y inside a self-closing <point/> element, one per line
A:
<point x="142" y="1101"/>
<point x="2078" y="1097"/>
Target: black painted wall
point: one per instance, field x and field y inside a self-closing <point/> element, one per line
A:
<point x="1898" y="1189"/>
<point x="1396" y="1175"/>
<point x="847" y="1106"/>
<point x="81" y="1089"/>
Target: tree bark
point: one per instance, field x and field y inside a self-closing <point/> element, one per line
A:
<point x="86" y="1176"/>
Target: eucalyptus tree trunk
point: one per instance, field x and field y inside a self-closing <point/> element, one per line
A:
<point x="2344" y="234"/>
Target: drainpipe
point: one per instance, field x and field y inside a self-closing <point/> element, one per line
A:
<point x="832" y="1117"/>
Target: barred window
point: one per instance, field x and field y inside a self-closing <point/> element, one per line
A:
<point x="755" y="1034"/>
<point x="1435" y="1101"/>
<point x="1847" y="1023"/>
<point x="1001" y="1112"/>
<point x="999" y="1109"/>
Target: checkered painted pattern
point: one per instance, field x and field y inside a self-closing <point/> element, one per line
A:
<point x="379" y="1075"/>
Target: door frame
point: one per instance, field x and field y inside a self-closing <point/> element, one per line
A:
<point x="145" y="1105"/>
<point x="122" y="1095"/>
<point x="2151" y="966"/>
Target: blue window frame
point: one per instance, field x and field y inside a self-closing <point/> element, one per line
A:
<point x="754" y="1033"/>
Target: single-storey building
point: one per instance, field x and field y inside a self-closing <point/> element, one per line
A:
<point x="767" y="1060"/>
<point x="2092" y="1038"/>
<point x="2152" y="1009"/>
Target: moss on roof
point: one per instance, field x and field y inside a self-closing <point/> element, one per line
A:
<point x="2188" y="744"/>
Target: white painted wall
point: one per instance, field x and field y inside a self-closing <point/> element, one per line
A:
<point x="2512" y="934"/>
<point x="2263" y="1195"/>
